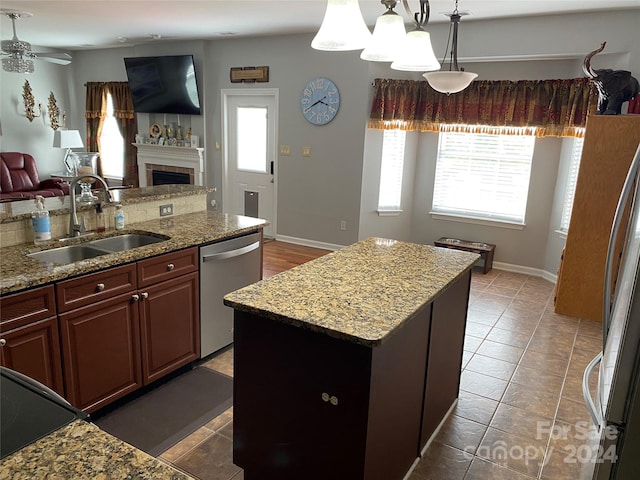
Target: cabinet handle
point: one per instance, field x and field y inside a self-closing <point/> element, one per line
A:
<point x="100" y="287"/>
<point x="135" y="297"/>
<point x="144" y="295"/>
<point x="171" y="266"/>
<point x="3" y="342"/>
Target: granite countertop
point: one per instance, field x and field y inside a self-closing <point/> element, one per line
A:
<point x="18" y="271"/>
<point x="81" y="451"/>
<point x="361" y="293"/>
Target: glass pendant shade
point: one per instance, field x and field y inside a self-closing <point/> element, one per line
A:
<point x="342" y="28"/>
<point x="415" y="53"/>
<point x="449" y="82"/>
<point x="388" y="33"/>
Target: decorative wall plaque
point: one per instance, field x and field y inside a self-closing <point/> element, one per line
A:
<point x="249" y="74"/>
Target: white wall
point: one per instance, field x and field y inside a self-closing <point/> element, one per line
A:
<point x="520" y="49"/>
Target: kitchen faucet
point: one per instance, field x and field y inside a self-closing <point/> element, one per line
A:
<point x="75" y="228"/>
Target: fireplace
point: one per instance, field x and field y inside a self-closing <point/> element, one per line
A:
<point x="161" y="177"/>
<point x="181" y="164"/>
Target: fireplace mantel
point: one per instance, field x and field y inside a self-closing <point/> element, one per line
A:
<point x="168" y="156"/>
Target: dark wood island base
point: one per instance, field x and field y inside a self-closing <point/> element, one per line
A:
<point x="312" y="404"/>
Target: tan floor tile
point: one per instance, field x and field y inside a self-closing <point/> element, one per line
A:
<point x="509" y="337"/>
<point x="491" y="366"/>
<point x="521" y="313"/>
<point x="546" y="344"/>
<point x="590" y="328"/>
<point x="500" y="351"/>
<point x="534" y="400"/>
<point x="520" y="454"/>
<point x="484" y="318"/>
<point x="588" y="345"/>
<point x="522" y="423"/>
<point x="554" y="364"/>
<point x="562" y="466"/>
<point x="502" y="291"/>
<point x="221" y="420"/>
<point x="482" y="385"/>
<point x="442" y="462"/>
<point x="461" y="433"/>
<point x="483" y="470"/>
<point x="471" y="343"/>
<point x="519" y="325"/>
<point x="537" y="378"/>
<point x="478" y="330"/>
<point x="475" y="407"/>
<point x="572" y="411"/>
<point x="186" y="445"/>
<point x="211" y="460"/>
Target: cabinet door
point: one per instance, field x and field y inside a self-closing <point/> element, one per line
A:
<point x="286" y="425"/>
<point x="170" y="326"/>
<point x="101" y="352"/>
<point x="34" y="350"/>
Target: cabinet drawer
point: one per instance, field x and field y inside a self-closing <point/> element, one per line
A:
<point x="25" y="307"/>
<point x="166" y="267"/>
<point x="94" y="287"/>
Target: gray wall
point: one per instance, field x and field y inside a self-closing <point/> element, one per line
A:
<point x="339" y="181"/>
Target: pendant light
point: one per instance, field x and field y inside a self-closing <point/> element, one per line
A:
<point x="342" y="28"/>
<point x="387" y="35"/>
<point x="415" y="53"/>
<point x="455" y="79"/>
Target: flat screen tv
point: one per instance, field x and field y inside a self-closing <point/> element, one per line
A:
<point x="163" y="84"/>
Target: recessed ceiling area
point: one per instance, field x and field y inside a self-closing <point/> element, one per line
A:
<point x="80" y="25"/>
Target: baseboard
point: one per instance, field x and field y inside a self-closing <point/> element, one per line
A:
<point x="309" y="243"/>
<point x="534" y="272"/>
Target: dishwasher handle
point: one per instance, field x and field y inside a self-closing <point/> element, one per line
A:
<point x="231" y="253"/>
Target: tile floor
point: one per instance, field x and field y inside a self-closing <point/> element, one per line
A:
<point x="520" y="413"/>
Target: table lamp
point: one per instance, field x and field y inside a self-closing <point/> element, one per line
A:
<point x="68" y="139"/>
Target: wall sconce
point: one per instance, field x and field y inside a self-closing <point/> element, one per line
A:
<point x="30" y="102"/>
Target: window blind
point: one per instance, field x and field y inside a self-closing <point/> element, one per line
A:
<point x="390" y="193"/>
<point x="572" y="180"/>
<point x="483" y="176"/>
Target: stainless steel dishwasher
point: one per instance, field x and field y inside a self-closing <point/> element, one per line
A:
<point x="224" y="267"/>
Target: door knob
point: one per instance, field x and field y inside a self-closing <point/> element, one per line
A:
<point x="171" y="266"/>
<point x="135" y="297"/>
<point x="100" y="287"/>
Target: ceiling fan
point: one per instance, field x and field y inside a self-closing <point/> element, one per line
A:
<point x="18" y="56"/>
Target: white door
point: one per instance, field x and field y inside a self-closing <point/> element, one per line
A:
<point x="249" y="122"/>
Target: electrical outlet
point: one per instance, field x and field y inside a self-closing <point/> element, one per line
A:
<point x="166" y="210"/>
<point x="343" y="224"/>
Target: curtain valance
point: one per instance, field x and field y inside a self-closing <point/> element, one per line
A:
<point x="551" y="107"/>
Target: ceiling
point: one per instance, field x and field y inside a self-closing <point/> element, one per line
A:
<point x="89" y="24"/>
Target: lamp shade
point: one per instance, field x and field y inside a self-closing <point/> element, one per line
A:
<point x="388" y="33"/>
<point x="342" y="28"/>
<point x="449" y="82"/>
<point x="416" y="53"/>
<point x="67" y="139"/>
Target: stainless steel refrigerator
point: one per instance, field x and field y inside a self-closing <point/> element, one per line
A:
<point x="615" y="410"/>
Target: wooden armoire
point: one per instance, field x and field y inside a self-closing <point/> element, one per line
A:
<point x="610" y="143"/>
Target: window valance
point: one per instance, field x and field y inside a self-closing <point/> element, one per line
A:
<point x="547" y="107"/>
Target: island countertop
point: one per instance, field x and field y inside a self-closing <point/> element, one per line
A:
<point x="361" y="293"/>
<point x="81" y="450"/>
<point x="18" y="271"/>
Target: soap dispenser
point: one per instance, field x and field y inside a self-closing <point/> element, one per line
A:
<point x="41" y="222"/>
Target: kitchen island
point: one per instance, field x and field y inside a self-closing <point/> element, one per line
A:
<point x="344" y="367"/>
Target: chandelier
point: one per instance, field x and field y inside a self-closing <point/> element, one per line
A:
<point x="343" y="28"/>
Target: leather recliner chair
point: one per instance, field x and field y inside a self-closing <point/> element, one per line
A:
<point x="19" y="179"/>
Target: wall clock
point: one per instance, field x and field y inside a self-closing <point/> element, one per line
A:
<point x="320" y="101"/>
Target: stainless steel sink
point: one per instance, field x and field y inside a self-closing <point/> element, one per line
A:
<point x="127" y="241"/>
<point x="95" y="248"/>
<point x="68" y="254"/>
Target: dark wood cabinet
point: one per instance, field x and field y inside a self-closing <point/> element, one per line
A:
<point x="346" y="410"/>
<point x="128" y="326"/>
<point x="101" y="351"/>
<point x="170" y="326"/>
<point x="29" y="340"/>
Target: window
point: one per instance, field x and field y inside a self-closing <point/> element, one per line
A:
<point x="391" y="167"/>
<point x="111" y="145"/>
<point x="483" y="176"/>
<point x="252" y="139"/>
<point x="572" y="180"/>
